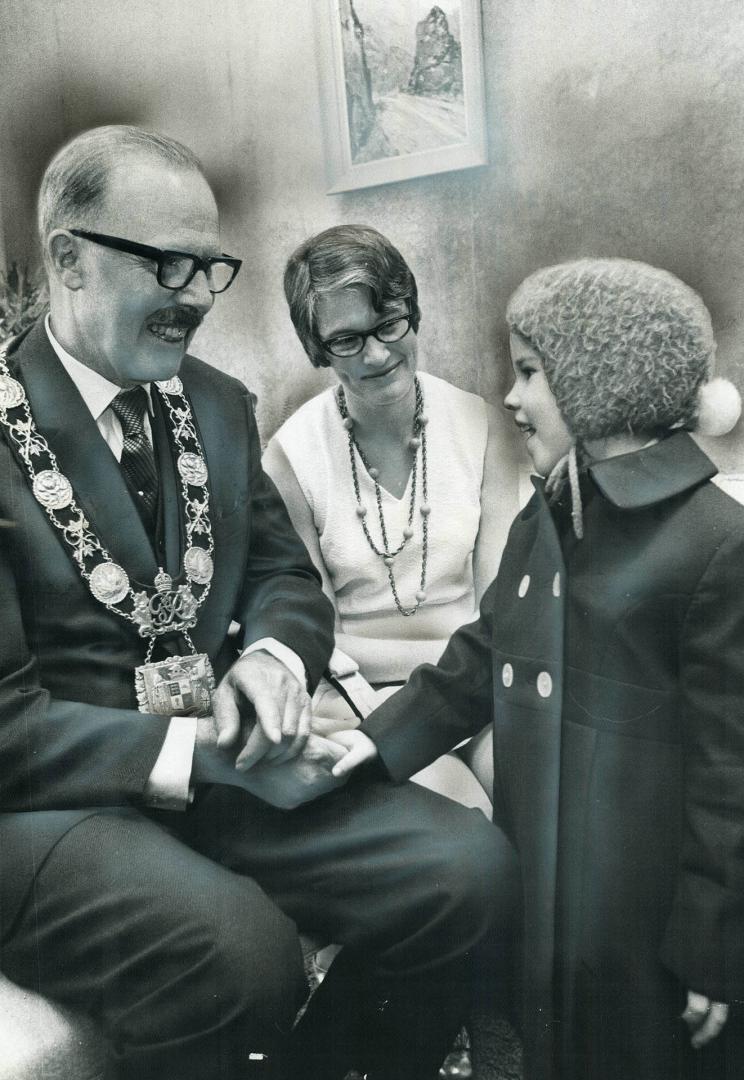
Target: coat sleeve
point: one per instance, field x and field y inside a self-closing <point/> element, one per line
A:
<point x="58" y="754"/>
<point x="704" y="940"/>
<point x="441" y="704"/>
<point x="281" y="595"/>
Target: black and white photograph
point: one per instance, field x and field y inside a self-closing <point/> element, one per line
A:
<point x="372" y="540"/>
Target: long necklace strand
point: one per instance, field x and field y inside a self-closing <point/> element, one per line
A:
<point x="416" y="443"/>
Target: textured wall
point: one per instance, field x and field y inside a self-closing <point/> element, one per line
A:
<point x="615" y="128"/>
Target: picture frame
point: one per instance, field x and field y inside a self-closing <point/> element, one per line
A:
<point x="401" y="89"/>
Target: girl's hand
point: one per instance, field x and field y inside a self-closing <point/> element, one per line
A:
<point x="359" y="747"/>
<point x="704" y="1018"/>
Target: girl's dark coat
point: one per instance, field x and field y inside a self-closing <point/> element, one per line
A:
<point x="613" y="668"/>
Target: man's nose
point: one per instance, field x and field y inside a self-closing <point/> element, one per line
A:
<point x="375" y="352"/>
<point x="196" y="294"/>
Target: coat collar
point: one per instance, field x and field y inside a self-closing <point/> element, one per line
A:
<point x="654" y="474"/>
<point x="97" y="481"/>
<point x="645" y="477"/>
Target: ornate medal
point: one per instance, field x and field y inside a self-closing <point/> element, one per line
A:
<point x="52" y="489"/>
<point x="109" y="583"/>
<point x="198" y="565"/>
<point x="11" y="392"/>
<point x="171" y="386"/>
<point x="180" y="685"/>
<point x="193" y="469"/>
<point x="167" y="610"/>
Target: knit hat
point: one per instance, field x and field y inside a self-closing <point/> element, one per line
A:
<point x="625" y="348"/>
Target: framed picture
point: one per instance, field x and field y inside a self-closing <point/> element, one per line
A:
<point x="401" y="89"/>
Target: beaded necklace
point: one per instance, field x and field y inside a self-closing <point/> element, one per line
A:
<point x="416" y="443"/>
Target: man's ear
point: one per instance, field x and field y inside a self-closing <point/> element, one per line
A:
<point x="64" y="256"/>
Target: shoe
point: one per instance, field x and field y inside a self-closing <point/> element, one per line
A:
<point x="457" y="1066"/>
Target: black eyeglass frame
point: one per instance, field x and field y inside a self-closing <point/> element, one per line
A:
<point x="407" y="316"/>
<point x="159" y="256"/>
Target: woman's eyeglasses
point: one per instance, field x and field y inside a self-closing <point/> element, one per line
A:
<point x="175" y="268"/>
<point x="387" y="332"/>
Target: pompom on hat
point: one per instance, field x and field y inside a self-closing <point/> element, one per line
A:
<point x="625" y="348"/>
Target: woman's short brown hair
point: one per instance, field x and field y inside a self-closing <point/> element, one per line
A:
<point x="338" y="258"/>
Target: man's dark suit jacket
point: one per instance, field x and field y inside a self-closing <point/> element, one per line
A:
<point x="71" y="737"/>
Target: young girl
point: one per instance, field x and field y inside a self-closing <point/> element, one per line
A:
<point x="610" y="652"/>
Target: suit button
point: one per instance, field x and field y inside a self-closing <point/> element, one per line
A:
<point x="557" y="585"/>
<point x="524" y="586"/>
<point x="544" y="684"/>
<point x="507" y="675"/>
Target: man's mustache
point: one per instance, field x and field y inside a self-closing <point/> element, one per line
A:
<point x="180" y="315"/>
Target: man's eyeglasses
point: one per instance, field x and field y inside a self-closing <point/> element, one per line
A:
<point x="352" y="344"/>
<point x="175" y="268"/>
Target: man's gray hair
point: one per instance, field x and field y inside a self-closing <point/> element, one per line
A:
<point x="74" y="185"/>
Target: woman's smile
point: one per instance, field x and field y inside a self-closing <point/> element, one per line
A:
<point x="384" y="371"/>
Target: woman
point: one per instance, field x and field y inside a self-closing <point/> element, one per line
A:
<point x="391" y="479"/>
<point x="610" y="651"/>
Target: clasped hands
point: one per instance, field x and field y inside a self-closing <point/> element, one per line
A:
<point x="261" y="710"/>
<point x="286" y="764"/>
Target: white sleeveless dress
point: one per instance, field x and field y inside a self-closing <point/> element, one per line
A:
<point x="316" y="445"/>
<point x="386" y="645"/>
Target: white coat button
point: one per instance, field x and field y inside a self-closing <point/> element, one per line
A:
<point x="544" y="684"/>
<point x="507" y="675"/>
<point x="557" y="585"/>
<point x="524" y="585"/>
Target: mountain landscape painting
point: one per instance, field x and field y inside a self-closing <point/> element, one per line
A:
<point x="402" y="89"/>
<point x="403" y="76"/>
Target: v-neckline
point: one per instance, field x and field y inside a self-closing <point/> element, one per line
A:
<point x="395" y="498"/>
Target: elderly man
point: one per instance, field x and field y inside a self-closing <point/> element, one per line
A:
<point x="152" y="870"/>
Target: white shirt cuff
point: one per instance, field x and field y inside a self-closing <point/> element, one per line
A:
<point x="167" y="787"/>
<point x="281" y="652"/>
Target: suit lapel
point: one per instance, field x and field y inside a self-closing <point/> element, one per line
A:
<point x="83" y="455"/>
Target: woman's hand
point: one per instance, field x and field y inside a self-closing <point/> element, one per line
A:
<point x="704" y="1018"/>
<point x="359" y="748"/>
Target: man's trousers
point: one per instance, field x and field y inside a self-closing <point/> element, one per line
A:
<point x="178" y="933"/>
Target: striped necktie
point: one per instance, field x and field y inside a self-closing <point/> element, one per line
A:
<point x="137" y="457"/>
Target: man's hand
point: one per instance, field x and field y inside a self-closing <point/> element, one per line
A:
<point x="359" y="748"/>
<point x="297" y="780"/>
<point x="281" y="704"/>
<point x="704" y="1018"/>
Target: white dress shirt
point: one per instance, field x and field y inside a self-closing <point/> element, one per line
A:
<point x="168" y="785"/>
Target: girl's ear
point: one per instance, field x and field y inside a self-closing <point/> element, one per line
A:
<point x="64" y="258"/>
